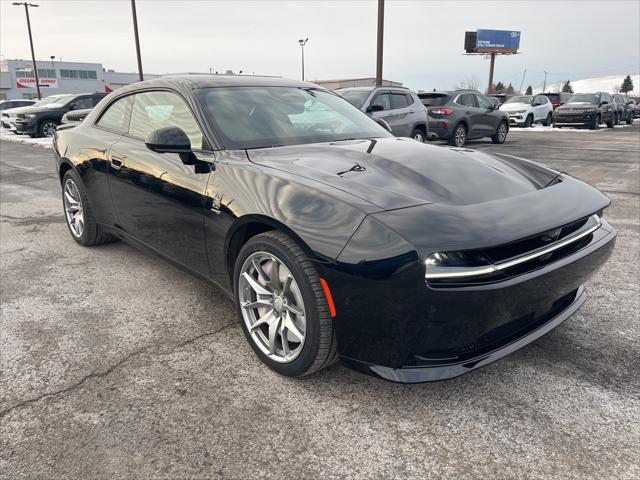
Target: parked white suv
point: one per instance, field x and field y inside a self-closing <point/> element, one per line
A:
<point x="525" y="110"/>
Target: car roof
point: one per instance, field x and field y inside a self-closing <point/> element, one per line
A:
<point x="362" y="89"/>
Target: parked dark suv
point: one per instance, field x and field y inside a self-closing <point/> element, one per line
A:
<point x="399" y="107"/>
<point x="558" y="98"/>
<point x="624" y="110"/>
<point x="586" y="110"/>
<point x="42" y="121"/>
<point x="464" y="115"/>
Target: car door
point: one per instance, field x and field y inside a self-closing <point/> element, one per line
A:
<point x="159" y="198"/>
<point x="402" y="118"/>
<point x="489" y="119"/>
<point x="472" y="114"/>
<point x="383" y="99"/>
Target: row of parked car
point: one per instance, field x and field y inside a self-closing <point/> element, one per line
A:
<point x="41" y="118"/>
<point x="456" y="116"/>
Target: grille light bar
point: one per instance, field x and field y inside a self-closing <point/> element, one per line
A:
<point x="434" y="271"/>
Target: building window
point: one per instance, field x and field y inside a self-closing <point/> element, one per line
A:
<point x="46" y="73"/>
<point x="78" y="74"/>
<point x="24" y="73"/>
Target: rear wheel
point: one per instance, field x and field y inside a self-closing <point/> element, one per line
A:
<point x="78" y="213"/>
<point x="611" y="123"/>
<point x="529" y="121"/>
<point x="629" y="120"/>
<point x="418" y="135"/>
<point x="501" y="133"/>
<point x="459" y="136"/>
<point x="617" y="119"/>
<point x="282" y="306"/>
<point x="549" y="120"/>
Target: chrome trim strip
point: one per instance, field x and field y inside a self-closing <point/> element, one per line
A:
<point x="461" y="272"/>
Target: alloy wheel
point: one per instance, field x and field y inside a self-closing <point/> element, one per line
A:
<point x="502" y="132"/>
<point x="272" y="306"/>
<point x="460" y="136"/>
<point x="48" y="129"/>
<point x="73" y="208"/>
<point x="419" y="137"/>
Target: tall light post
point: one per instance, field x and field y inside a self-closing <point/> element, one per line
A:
<point x="33" y="55"/>
<point x="137" y="38"/>
<point x="302" y="44"/>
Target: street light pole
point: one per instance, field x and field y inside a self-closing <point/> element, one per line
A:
<point x="137" y="38"/>
<point x="544" y="88"/>
<point x="380" y="39"/>
<point x="33" y="55"/>
<point x="302" y="44"/>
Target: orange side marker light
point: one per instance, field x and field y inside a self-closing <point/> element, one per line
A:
<point x="327" y="293"/>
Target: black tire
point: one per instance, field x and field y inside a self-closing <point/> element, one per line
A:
<point x="45" y="128"/>
<point x="529" y="121"/>
<point x="319" y="349"/>
<point x="549" y="120"/>
<point x="92" y="233"/>
<point x="418" y="135"/>
<point x="596" y="123"/>
<point x="501" y="133"/>
<point x="630" y="121"/>
<point x="616" y="119"/>
<point x="459" y="136"/>
<point x="611" y="123"/>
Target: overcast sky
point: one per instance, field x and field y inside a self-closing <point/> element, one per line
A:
<point x="423" y="39"/>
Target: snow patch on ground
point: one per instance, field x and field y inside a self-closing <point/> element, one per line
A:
<point x="542" y="128"/>
<point x="9" y="136"/>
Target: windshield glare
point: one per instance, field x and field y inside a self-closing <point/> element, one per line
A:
<point x="585" y="98"/>
<point x="528" y="99"/>
<point x="259" y="117"/>
<point x="354" y="97"/>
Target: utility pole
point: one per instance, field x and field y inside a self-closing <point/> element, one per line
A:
<point x="493" y="63"/>
<point x="522" y="81"/>
<point x="380" y="43"/>
<point x="302" y="44"/>
<point x="545" y="81"/>
<point x="137" y="38"/>
<point x="33" y="55"/>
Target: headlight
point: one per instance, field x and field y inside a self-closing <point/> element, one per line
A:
<point x="31" y="115"/>
<point x="518" y="111"/>
<point x="457" y="264"/>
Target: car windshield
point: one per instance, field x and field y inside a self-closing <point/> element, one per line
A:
<point x="259" y="117"/>
<point x="54" y="100"/>
<point x="554" y="97"/>
<point x="434" y="100"/>
<point x="585" y="98"/>
<point x="354" y="97"/>
<point x="528" y="99"/>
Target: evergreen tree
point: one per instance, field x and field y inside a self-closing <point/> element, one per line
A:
<point x="567" y="87"/>
<point x="627" y="85"/>
<point x="529" y="90"/>
<point x="510" y="89"/>
<point x="499" y="87"/>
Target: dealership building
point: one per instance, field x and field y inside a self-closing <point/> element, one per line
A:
<point x="17" y="79"/>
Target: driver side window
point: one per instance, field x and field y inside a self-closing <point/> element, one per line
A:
<point x="153" y="110"/>
<point x="383" y="100"/>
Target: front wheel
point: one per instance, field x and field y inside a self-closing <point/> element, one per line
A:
<point x="417" y="135"/>
<point x="459" y="136"/>
<point x="549" y="120"/>
<point x="501" y="133"/>
<point x="48" y="128"/>
<point x="282" y="305"/>
<point x="611" y="123"/>
<point x="630" y="120"/>
<point x="529" y="121"/>
<point x="596" y="123"/>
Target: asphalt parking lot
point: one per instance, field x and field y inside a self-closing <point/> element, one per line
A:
<point x="116" y="365"/>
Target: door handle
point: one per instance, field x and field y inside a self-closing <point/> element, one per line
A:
<point x="117" y="162"/>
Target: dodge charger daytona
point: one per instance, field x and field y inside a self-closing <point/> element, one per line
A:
<point x="334" y="239"/>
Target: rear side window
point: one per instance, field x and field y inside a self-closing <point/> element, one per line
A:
<point x="466" y="100"/>
<point x="398" y="100"/>
<point x="116" y="118"/>
<point x="153" y="110"/>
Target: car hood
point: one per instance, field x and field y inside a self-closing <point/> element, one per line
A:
<point x="16" y="110"/>
<point x="45" y="108"/>
<point x="577" y="106"/>
<point x="393" y="173"/>
<point x="510" y="107"/>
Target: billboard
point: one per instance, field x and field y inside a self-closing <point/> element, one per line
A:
<point x="497" y="41"/>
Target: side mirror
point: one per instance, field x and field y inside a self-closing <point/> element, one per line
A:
<point x="383" y="124"/>
<point x="604" y="103"/>
<point x="168" y="140"/>
<point x="375" y="108"/>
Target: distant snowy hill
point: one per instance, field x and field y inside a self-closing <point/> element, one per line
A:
<point x="599" y="84"/>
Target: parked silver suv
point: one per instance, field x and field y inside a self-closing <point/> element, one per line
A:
<point x="399" y="107"/>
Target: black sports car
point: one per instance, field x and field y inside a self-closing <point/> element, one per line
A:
<point x="335" y="239"/>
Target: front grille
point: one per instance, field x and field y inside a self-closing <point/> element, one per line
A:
<point x="508" y="257"/>
<point x="21" y="116"/>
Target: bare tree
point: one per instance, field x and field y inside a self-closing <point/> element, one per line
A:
<point x="470" y="82"/>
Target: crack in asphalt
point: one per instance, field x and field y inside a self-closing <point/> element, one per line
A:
<point x="83" y="380"/>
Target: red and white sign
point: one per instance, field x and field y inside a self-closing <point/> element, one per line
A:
<point x="30" y="82"/>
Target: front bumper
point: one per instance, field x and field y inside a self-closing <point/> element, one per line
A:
<point x="574" y="120"/>
<point x="25" y="126"/>
<point x="415" y="334"/>
<point x="517" y="119"/>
